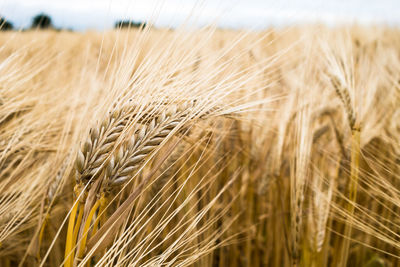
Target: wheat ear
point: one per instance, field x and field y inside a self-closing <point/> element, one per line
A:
<point x="130" y="156"/>
<point x="97" y="147"/>
<point x="343" y="94"/>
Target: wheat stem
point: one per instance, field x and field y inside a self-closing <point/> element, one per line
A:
<point x="41" y="234"/>
<point x="70" y="234"/>
<point x="103" y="204"/>
<point x="353" y="186"/>
<point x="82" y="245"/>
<point x="77" y="226"/>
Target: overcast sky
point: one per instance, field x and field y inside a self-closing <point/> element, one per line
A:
<point x="102" y="14"/>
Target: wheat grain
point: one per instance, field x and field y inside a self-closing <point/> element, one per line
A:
<point x="140" y="145"/>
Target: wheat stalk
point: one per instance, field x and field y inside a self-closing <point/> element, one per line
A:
<point x="52" y="189"/>
<point x="343" y="93"/>
<point x="132" y="153"/>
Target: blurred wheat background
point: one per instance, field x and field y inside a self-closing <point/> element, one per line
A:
<point x="152" y="147"/>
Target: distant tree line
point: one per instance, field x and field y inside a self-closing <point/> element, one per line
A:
<point x="40" y="21"/>
<point x="129" y="24"/>
<point x="44" y="21"/>
<point x="5" y="25"/>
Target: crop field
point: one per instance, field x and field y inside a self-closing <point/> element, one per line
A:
<point x="206" y="147"/>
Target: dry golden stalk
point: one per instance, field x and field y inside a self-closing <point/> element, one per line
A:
<point x="131" y="154"/>
<point x="110" y="227"/>
<point x="51" y="191"/>
<point x="344" y="95"/>
<point x="319" y="213"/>
<point x="167" y="171"/>
<point x="89" y="163"/>
<point x="353" y="188"/>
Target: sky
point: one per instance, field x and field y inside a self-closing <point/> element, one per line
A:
<point x="254" y="14"/>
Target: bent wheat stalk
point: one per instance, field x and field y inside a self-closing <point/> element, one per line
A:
<point x="343" y="93"/>
<point x="128" y="158"/>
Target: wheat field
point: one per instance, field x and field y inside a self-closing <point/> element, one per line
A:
<point x="206" y="147"/>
